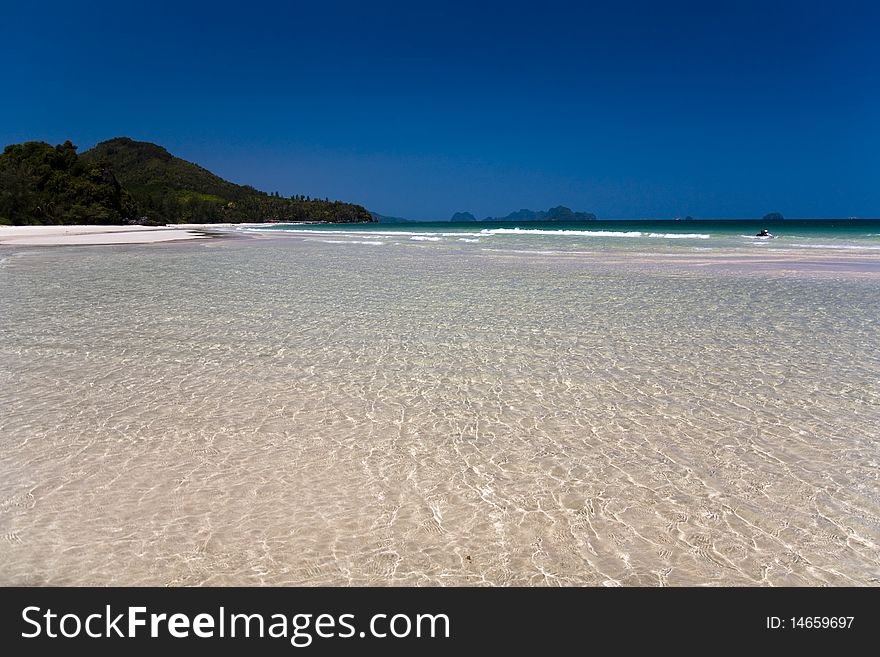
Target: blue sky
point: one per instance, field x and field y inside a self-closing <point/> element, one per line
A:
<point x="420" y="109"/>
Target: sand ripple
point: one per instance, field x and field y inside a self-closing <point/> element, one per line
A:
<point x="260" y="412"/>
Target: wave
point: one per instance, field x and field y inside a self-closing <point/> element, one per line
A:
<point x="853" y="247"/>
<point x="489" y="232"/>
<point x="567" y="233"/>
<point x="538" y="252"/>
<point x="353" y="242"/>
<point x="364" y="234"/>
<point x="528" y="251"/>
<point x="681" y="236"/>
<point x="593" y="233"/>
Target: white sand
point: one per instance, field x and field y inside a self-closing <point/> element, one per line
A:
<point x="227" y="225"/>
<point x="82" y="235"/>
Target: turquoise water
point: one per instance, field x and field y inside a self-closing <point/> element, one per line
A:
<point x="844" y="235"/>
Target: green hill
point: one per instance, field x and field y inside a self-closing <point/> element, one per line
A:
<point x="147" y="168"/>
<point x="126" y="181"/>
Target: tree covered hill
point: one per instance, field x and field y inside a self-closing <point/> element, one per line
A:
<point x="148" y="169"/>
<point x="126" y="181"/>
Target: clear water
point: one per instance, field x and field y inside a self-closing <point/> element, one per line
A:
<point x="281" y="410"/>
<point x="862" y="235"/>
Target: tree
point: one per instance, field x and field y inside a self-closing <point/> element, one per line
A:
<point x="122" y="180"/>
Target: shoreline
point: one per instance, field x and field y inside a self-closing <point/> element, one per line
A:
<point x="731" y="260"/>
<point x="91" y="235"/>
<point x="114" y="234"/>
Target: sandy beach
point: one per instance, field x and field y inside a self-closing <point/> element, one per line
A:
<point x="95" y="235"/>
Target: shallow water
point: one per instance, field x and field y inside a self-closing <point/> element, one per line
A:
<point x="287" y="411"/>
<point x="854" y="236"/>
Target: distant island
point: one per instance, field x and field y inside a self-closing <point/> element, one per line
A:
<point x="773" y="216"/>
<point x="125" y="181"/>
<point x="559" y="213"/>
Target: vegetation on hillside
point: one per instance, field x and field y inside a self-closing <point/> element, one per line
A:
<point x="125" y="181"/>
<point x="43" y="184"/>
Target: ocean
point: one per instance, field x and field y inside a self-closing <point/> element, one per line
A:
<point x="845" y="235"/>
<point x="602" y="404"/>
